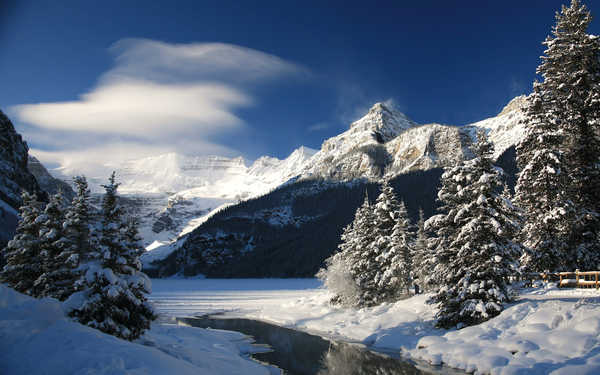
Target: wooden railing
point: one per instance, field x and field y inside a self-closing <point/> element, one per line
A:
<point x="577" y="279"/>
<point x="587" y="279"/>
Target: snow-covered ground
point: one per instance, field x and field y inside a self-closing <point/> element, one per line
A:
<point x="547" y="330"/>
<point x="36" y="338"/>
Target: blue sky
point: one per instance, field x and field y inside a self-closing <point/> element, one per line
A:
<point x="86" y="81"/>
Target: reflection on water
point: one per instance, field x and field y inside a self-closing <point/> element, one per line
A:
<point x="299" y="353"/>
<point x="342" y="359"/>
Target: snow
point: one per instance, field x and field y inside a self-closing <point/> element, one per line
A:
<point x="37" y="338"/>
<point x="547" y="330"/>
<point x="190" y="189"/>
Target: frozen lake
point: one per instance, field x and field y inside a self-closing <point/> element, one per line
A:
<point x="239" y="297"/>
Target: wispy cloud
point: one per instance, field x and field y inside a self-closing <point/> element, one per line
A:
<point x="516" y="87"/>
<point x="354" y="101"/>
<point x="319" y="126"/>
<point x="158" y="97"/>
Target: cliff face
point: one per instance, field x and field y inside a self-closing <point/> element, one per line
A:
<point x="14" y="175"/>
<point x="48" y="183"/>
<point x="14" y="178"/>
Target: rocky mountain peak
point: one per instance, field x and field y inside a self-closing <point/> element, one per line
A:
<point x="516" y="104"/>
<point x="384" y="120"/>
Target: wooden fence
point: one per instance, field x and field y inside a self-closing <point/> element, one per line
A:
<point x="577" y="279"/>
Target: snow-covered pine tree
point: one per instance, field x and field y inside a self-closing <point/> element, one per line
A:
<point x="570" y="99"/>
<point x="541" y="191"/>
<point x="78" y="219"/>
<point x="420" y="254"/>
<point x="361" y="256"/>
<point x="394" y="280"/>
<point x="383" y="282"/>
<point x="480" y="255"/>
<point x="114" y="301"/>
<point x="22" y="254"/>
<point x="59" y="261"/>
<point x="432" y="267"/>
<point x="559" y="182"/>
<point x="139" y="283"/>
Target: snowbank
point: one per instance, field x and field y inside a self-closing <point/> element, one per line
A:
<point x="36" y="338"/>
<point x="546" y="331"/>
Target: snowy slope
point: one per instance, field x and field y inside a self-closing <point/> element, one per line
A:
<point x="37" y="338"/>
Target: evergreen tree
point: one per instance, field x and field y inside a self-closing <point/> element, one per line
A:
<point x="420" y="254"/>
<point x="396" y="261"/>
<point x="541" y="192"/>
<point x="58" y="259"/>
<point x="22" y="254"/>
<point x="78" y="219"/>
<point x="559" y="157"/>
<point x="480" y="255"/>
<point x="383" y="282"/>
<point x="361" y="255"/>
<point x="115" y="301"/>
<point x="571" y="96"/>
<point x="432" y="265"/>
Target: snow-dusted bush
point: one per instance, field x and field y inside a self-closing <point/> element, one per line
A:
<point x="338" y="280"/>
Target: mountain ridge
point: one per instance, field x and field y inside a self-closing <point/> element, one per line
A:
<point x="382" y="144"/>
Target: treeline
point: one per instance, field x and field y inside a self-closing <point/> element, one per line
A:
<point x="87" y="258"/>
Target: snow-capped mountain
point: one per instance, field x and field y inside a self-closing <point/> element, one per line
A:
<point x="386" y="142"/>
<point x="174" y="193"/>
<point x="331" y="185"/>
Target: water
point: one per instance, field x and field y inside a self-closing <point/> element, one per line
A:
<point x="299" y="353"/>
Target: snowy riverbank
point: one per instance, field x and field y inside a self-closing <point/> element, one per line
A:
<point x="36" y="338"/>
<point x="545" y="331"/>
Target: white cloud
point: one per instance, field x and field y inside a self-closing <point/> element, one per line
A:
<point x="164" y="62"/>
<point x="100" y="160"/>
<point x="141" y="108"/>
<point x="158" y="97"/>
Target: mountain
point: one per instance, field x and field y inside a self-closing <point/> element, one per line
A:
<point x="47" y="182"/>
<point x="290" y="231"/>
<point x="14" y="177"/>
<point x="386" y="143"/>
<point x="173" y="193"/>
